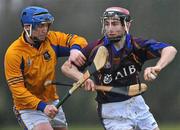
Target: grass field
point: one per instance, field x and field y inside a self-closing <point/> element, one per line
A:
<point x="162" y="127"/>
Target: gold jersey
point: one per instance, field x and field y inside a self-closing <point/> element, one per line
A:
<point x="28" y="68"/>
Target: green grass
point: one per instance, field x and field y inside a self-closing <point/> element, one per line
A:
<point x="170" y="127"/>
<point x="80" y="127"/>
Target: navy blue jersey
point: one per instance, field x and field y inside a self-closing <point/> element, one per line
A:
<point x="124" y="65"/>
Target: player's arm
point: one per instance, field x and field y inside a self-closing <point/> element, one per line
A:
<point x="72" y="41"/>
<point x="167" y="55"/>
<point x="71" y="71"/>
<point x="77" y="43"/>
<point x="69" y="45"/>
<point x="154" y="49"/>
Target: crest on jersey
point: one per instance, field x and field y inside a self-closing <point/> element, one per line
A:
<point x="47" y="56"/>
<point x="107" y="78"/>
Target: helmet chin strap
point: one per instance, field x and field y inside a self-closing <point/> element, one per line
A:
<point x="36" y="42"/>
<point x="125" y="26"/>
<point x="28" y="31"/>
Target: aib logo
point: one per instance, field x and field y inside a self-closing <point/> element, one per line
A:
<point x="47" y="56"/>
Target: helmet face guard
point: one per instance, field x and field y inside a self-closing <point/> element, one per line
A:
<point x="116" y="13"/>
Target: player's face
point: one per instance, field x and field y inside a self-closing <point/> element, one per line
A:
<point x="41" y="31"/>
<point x="113" y="28"/>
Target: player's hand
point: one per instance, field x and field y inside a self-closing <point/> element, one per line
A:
<point x="151" y="73"/>
<point x="77" y="57"/>
<point x="89" y="85"/>
<point x="50" y="111"/>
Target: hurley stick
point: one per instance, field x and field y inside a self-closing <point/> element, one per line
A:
<point x="98" y="63"/>
<point x="131" y="90"/>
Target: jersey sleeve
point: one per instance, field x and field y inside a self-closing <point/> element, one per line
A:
<point x="150" y="49"/>
<point x="89" y="52"/>
<point x="62" y="42"/>
<point x="15" y="80"/>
